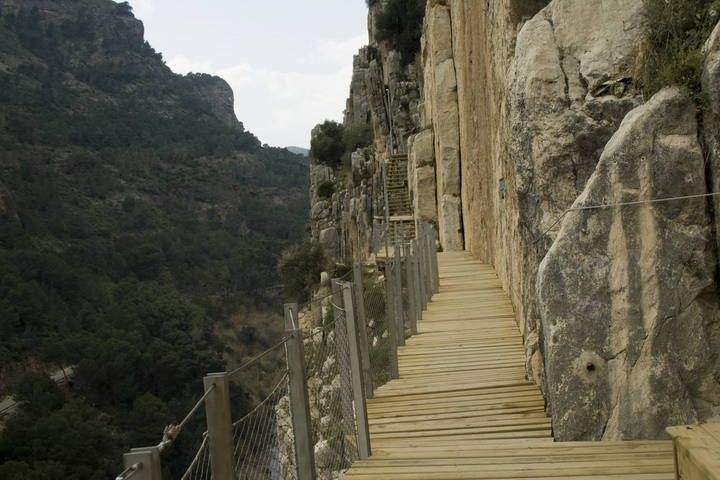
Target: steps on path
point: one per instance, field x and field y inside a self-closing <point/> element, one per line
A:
<point x="463" y="409"/>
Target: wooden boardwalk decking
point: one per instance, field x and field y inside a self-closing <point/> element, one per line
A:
<point x="463" y="409"/>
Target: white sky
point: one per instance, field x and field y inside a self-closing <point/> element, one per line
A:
<point x="289" y="62"/>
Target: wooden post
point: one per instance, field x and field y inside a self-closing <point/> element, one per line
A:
<point x="362" y="327"/>
<point x="426" y="270"/>
<point x="413" y="314"/>
<point x="342" y="358"/>
<point x="390" y="319"/>
<point x="386" y="211"/>
<point x="430" y="242"/>
<point x="399" y="314"/>
<point x="436" y="268"/>
<point x="299" y="400"/>
<point x="219" y="423"/>
<point x="416" y="272"/>
<point x="145" y="462"/>
<point x="357" y="374"/>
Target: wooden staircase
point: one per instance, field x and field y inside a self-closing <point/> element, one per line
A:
<point x="463" y="409"/>
<point x="399" y="207"/>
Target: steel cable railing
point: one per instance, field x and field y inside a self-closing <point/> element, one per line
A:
<point x="339" y="347"/>
<point x="199" y="468"/>
<point x="377" y="318"/>
<point x="263" y="441"/>
<point x="330" y="392"/>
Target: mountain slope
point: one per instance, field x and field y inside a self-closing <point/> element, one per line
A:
<point x="136" y="217"/>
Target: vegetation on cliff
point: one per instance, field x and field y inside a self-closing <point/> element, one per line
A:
<point x="137" y="216"/>
<point x="399" y="22"/>
<point x="673" y="53"/>
<point x="332" y="143"/>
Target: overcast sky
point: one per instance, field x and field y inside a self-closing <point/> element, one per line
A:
<point x="288" y="61"/>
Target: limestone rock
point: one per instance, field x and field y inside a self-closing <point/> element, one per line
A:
<point x="217" y="94"/>
<point x="329" y="241"/>
<point x="558" y="129"/>
<point x="711" y="114"/>
<point x="424" y="188"/>
<point x="421" y="170"/>
<point x="629" y="306"/>
<point x="423" y="152"/>
<point x="442" y="112"/>
<point x="320" y="211"/>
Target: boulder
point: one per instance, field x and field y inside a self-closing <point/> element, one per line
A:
<point x="627" y="295"/>
<point x="330" y="242"/>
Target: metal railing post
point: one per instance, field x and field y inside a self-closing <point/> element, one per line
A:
<point x="357" y="374"/>
<point x="399" y="314"/>
<point x="219" y="423"/>
<point x="390" y="319"/>
<point x="144" y="462"/>
<point x="299" y="400"/>
<point x="341" y="340"/>
<point x="362" y="327"/>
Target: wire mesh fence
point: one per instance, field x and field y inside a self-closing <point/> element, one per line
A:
<point x="343" y="345"/>
<point x="263" y="439"/>
<point x="377" y="316"/>
<point x="330" y="391"/>
<point x="200" y="468"/>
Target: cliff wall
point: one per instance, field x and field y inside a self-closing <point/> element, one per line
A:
<point x="525" y="129"/>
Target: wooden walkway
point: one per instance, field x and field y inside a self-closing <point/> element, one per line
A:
<point x="463" y="409"/>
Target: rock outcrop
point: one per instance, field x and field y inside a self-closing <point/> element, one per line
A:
<point x="711" y="118"/>
<point x="440" y="114"/>
<point x="629" y="303"/>
<point x="559" y="123"/>
<point x="217" y="94"/>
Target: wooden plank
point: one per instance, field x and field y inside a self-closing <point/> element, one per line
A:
<point x="463" y="408"/>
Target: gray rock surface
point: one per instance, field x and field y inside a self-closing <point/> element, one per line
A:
<point x="558" y="127"/>
<point x="441" y="111"/>
<point x="629" y="306"/>
<point x="421" y="170"/>
<point x="711" y="115"/>
<point x="329" y="241"/>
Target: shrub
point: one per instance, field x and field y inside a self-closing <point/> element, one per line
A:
<point x="327" y="144"/>
<point x="326" y="189"/>
<point x="400" y="24"/>
<point x="673" y="51"/>
<point x="358" y="136"/>
<point x="300" y="269"/>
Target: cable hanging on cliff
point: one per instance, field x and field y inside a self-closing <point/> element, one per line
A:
<point x="621" y="204"/>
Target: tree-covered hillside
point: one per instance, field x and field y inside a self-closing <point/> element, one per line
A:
<point x="137" y="218"/>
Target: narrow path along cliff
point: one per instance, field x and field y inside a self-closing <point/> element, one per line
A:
<point x="463" y="408"/>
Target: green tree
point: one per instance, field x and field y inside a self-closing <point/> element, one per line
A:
<point x="300" y="269"/>
<point x="400" y="24"/>
<point x="327" y="144"/>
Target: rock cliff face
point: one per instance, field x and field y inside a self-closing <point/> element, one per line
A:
<point x="440" y="120"/>
<point x="628" y="296"/>
<point x="527" y="113"/>
<point x="217" y="94"/>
